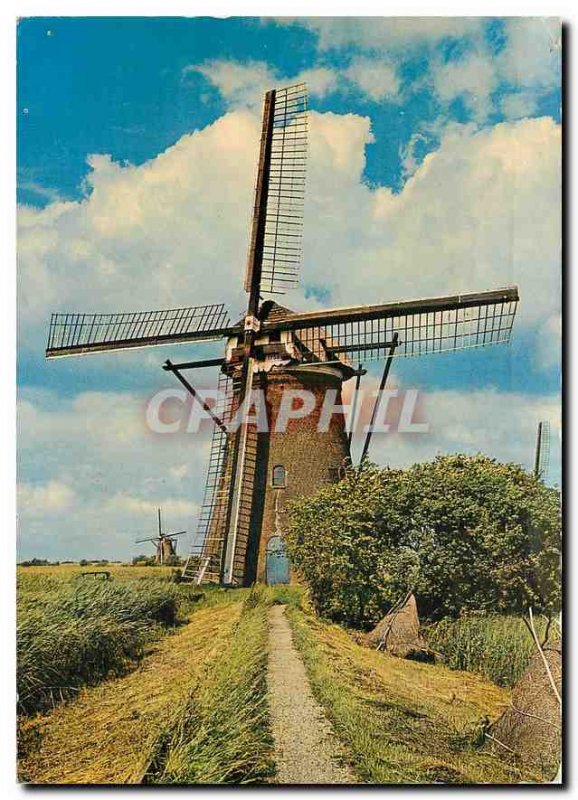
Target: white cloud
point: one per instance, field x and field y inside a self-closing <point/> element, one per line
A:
<point x="473" y="78"/>
<point x="142" y="233"/>
<point x="549" y="343"/>
<point x="45" y="499"/>
<point x="237" y="82"/>
<point x="320" y="81"/>
<point x="385" y="33"/>
<point x="517" y="105"/>
<point x="180" y="471"/>
<point x="245" y="83"/>
<point x="377" y="79"/>
<point x="530" y="60"/>
<point x="142" y="506"/>
<point x="529" y="64"/>
<point x="532" y="56"/>
<point x="99" y="444"/>
<point x="481" y="211"/>
<point x="500" y="424"/>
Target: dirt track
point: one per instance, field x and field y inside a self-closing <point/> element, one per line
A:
<point x="306" y="749"/>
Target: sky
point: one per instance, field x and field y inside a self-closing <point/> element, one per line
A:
<point x="434" y="168"/>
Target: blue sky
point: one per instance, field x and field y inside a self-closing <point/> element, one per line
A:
<point x="434" y="168"/>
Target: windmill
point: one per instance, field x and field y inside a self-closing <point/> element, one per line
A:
<point x="275" y="349"/>
<point x="542" y="454"/>
<point x="165" y="543"/>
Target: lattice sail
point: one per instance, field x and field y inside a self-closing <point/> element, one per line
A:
<point x="219" y="551"/>
<point x="75" y="334"/>
<point x="423" y="326"/>
<point x="204" y="563"/>
<point x="275" y="252"/>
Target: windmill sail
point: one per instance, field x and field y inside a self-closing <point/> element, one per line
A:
<point x="275" y="249"/>
<point x="222" y="536"/>
<point x="76" y="334"/>
<point x="243" y="467"/>
<point x="435" y="325"/>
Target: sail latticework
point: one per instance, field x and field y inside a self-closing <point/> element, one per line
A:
<point x="203" y="564"/>
<point x="423" y="327"/>
<point x="219" y="550"/>
<point x="74" y="334"/>
<point x="276" y="240"/>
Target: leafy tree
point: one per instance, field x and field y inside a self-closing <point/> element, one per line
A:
<point x="143" y="561"/>
<point x="462" y="532"/>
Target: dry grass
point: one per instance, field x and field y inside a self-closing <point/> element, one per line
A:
<point x="120" y="572"/>
<point x="74" y="632"/>
<point x="110" y="734"/>
<point x="221" y="732"/>
<point x="403" y="722"/>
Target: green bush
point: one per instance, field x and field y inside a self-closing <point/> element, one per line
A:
<point x="463" y="532"/>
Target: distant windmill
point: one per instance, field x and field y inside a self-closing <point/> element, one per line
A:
<point x="165" y="543"/>
<point x="273" y="348"/>
<point x="542" y="455"/>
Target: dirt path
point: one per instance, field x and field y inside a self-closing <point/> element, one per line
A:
<point x="306" y="748"/>
<point x="108" y="735"/>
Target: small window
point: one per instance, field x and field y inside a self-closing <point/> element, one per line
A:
<point x="278" y="476"/>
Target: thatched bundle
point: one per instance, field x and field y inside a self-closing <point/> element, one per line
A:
<point x="531" y="728"/>
<point x="398" y="632"/>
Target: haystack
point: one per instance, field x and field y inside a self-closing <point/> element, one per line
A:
<point x="398" y="632"/>
<point x="531" y="728"/>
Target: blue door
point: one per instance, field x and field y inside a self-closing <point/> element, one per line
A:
<point x="277" y="561"/>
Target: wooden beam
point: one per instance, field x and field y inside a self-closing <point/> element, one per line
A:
<point x="311" y="319"/>
<point x="378" y="398"/>
<point x="208" y="362"/>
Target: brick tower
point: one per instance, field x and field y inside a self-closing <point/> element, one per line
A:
<point x="306" y="443"/>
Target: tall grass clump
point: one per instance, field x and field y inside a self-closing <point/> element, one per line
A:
<point x="497" y="647"/>
<point x="221" y="733"/>
<point x="72" y="634"/>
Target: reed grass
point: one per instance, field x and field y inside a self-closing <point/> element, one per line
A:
<point x="497" y="647"/>
<point x="75" y="632"/>
<point x="112" y="732"/>
<point x="221" y="733"/>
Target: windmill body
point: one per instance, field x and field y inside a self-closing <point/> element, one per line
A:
<point x="165" y="543"/>
<point x="280" y="464"/>
<point x="252" y="474"/>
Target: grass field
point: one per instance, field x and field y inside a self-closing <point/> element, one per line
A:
<point x="194" y="711"/>
<point x="191" y="707"/>
<point x="74" y="631"/>
<point x="221" y="733"/>
<point x="402" y="721"/>
<point x="114" y="732"/>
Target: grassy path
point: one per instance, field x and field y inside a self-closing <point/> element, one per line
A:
<point x="306" y="750"/>
<point x="110" y="733"/>
<point x="403" y="722"/>
<point x="252" y="692"/>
